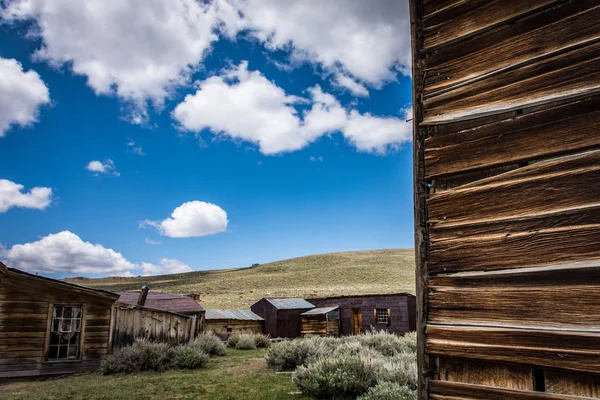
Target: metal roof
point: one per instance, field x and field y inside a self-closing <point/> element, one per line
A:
<point x="243" y="315"/>
<point x="163" y="301"/>
<point x="320" y="310"/>
<point x="290" y="304"/>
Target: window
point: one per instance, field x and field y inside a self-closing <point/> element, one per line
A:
<point x="382" y="315"/>
<point x="65" y="333"/>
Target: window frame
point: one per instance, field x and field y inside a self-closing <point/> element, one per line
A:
<point x="80" y="342"/>
<point x="388" y="316"/>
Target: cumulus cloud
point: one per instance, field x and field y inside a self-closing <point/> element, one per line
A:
<point x="135" y="148"/>
<point x="12" y="195"/>
<point x="65" y="252"/>
<point x="21" y="95"/>
<point x="106" y="167"/>
<point x="138" y="50"/>
<point x="367" y="40"/>
<point x="192" y="219"/>
<point x="244" y="105"/>
<point x="352" y="85"/>
<point x="167" y="266"/>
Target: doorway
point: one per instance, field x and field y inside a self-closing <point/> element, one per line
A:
<point x="356" y="321"/>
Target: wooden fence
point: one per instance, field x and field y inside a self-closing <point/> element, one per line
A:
<point x="507" y="197"/>
<point x="133" y="322"/>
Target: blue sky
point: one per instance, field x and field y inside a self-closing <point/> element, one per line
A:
<point x="275" y="131"/>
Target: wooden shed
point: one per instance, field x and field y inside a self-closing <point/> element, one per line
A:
<point x="323" y="321"/>
<point x="507" y="198"/>
<point x="394" y="313"/>
<point x="225" y="322"/>
<point x="49" y="327"/>
<point x="162" y="317"/>
<point x="282" y="316"/>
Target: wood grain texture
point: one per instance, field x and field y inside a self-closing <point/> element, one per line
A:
<point x="576" y="384"/>
<point x="576" y="351"/>
<point x="482" y="373"/>
<point x="452" y="390"/>
<point x="546" y="133"/>
<point x="458" y="23"/>
<point x="574" y="73"/>
<point x="543" y="34"/>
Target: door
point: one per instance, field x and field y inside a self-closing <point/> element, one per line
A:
<point x="356" y="321"/>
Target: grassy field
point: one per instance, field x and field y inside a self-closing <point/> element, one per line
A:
<point x="238" y="375"/>
<point x="361" y="272"/>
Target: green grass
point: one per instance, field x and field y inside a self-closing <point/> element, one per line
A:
<point x="238" y="375"/>
<point x="361" y="272"/>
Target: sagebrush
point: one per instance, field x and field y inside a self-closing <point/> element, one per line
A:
<point x="389" y="391"/>
<point x="248" y="341"/>
<point x="209" y="344"/>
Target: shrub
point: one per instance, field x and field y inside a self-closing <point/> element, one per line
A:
<point x="233" y="339"/>
<point x="387" y="344"/>
<point x="142" y="355"/>
<point x="288" y="355"/>
<point x="401" y="369"/>
<point x="209" y="344"/>
<point x="190" y="357"/>
<point x="341" y="376"/>
<point x="262" y="341"/>
<point x="389" y="391"/>
<point x="245" y="342"/>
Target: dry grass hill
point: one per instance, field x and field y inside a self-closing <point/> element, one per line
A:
<point x="360" y="272"/>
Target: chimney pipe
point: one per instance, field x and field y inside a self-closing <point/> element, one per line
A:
<point x="143" y="295"/>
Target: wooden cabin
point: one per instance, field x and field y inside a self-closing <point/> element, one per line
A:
<point x="49" y="327"/>
<point x="282" y="316"/>
<point x="394" y="313"/>
<point x="226" y="322"/>
<point x="322" y="321"/>
<point x="506" y="118"/>
<point x="162" y="317"/>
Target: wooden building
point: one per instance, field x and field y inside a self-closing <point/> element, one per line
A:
<point x="49" y="327"/>
<point x="394" y="313"/>
<point x="324" y="321"/>
<point x="162" y="317"/>
<point x="225" y="322"/>
<point x="282" y="316"/>
<point x="507" y="187"/>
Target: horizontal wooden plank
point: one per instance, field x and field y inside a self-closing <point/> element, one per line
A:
<point x="437" y="11"/>
<point x="569" y="24"/>
<point x="452" y="390"/>
<point x="563" y="382"/>
<point x="544" y="187"/>
<point x="469" y="23"/>
<point x="22" y="335"/>
<point x="546" y="133"/>
<point x="485" y="373"/>
<point x="574" y="73"/>
<point x="577" y="351"/>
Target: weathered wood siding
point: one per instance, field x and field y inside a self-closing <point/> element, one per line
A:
<point x="26" y="304"/>
<point x="320" y="325"/>
<point x="401" y="316"/>
<point x="132" y="323"/>
<point x="507" y="197"/>
<point x="225" y="327"/>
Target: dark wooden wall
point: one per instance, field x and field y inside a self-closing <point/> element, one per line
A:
<point x="268" y="312"/>
<point x="25" y="308"/>
<point x="507" y="197"/>
<point x="289" y="323"/>
<point x="400" y="314"/>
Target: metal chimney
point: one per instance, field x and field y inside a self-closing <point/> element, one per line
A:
<point x="143" y="294"/>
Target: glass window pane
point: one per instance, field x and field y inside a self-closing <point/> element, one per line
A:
<point x="62" y="352"/>
<point x="77" y="325"/>
<point x="76" y="312"/>
<point x="54" y="327"/>
<point x="54" y="338"/>
<point x="57" y="312"/>
<point x="64" y="332"/>
<point x="67" y="312"/>
<point x="53" y="352"/>
<point x="72" y="351"/>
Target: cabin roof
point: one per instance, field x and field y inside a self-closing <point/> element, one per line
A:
<point x="4" y="270"/>
<point x="320" y="310"/>
<point x="290" y="304"/>
<point x="163" y="301"/>
<point x="242" y="315"/>
<point x="345" y="296"/>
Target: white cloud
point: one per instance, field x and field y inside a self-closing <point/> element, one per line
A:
<point x="21" y="95"/>
<point x="167" y="266"/>
<point x="12" y="195"/>
<point x="192" y="219"/>
<point x="353" y="86"/>
<point x="135" y="148"/>
<point x="151" y="242"/>
<point x="138" y="50"/>
<point x="65" y="252"/>
<point x="367" y="40"/>
<point x="244" y="105"/>
<point x="106" y="167"/>
<point x="315" y="159"/>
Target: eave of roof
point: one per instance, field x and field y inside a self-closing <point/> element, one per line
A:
<point x="320" y="310"/>
<point x="345" y="296"/>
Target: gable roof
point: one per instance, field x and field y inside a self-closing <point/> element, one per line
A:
<point x="163" y="301"/>
<point x="242" y="315"/>
<point x="290" y="304"/>
<point x="66" y="285"/>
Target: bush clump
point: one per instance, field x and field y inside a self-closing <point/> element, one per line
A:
<point x="288" y="355"/>
<point x="190" y="357"/>
<point x="389" y="391"/>
<point x="209" y="344"/>
<point x="248" y="341"/>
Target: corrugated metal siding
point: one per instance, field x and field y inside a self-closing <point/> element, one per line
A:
<point x="242" y="315"/>
<point x="507" y="187"/>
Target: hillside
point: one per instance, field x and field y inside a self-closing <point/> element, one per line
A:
<point x="361" y="272"/>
